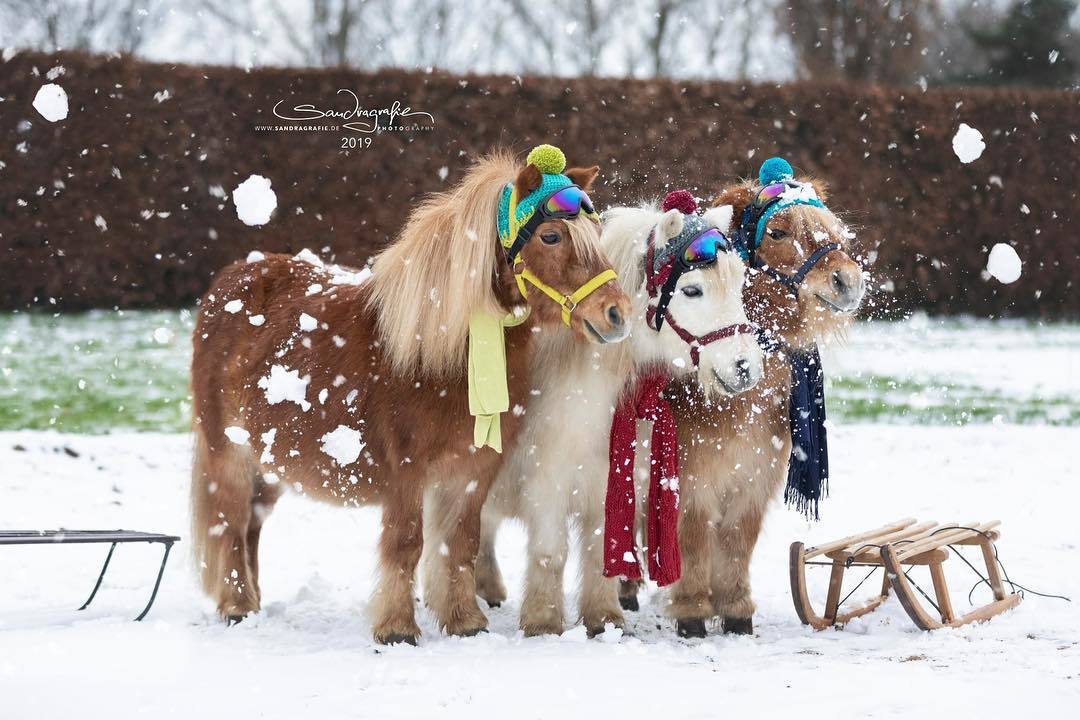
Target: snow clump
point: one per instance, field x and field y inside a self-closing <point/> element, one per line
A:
<point x="1003" y="263"/>
<point x="343" y="444"/>
<point x="52" y="102"/>
<point x="968" y="143"/>
<point x="254" y="200"/>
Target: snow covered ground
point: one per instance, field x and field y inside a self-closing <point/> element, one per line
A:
<point x="309" y="654"/>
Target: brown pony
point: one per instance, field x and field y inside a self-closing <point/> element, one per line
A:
<point x="352" y="389"/>
<point x="736" y="449"/>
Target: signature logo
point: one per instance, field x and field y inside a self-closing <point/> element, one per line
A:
<point x="396" y="117"/>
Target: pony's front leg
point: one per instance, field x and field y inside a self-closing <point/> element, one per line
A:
<point x="542" y="607"/>
<point x="450" y="580"/>
<point x="598" y="601"/>
<point x="489" y="580"/>
<point x="690" y="603"/>
<point x="730" y="579"/>
<point x="402" y="540"/>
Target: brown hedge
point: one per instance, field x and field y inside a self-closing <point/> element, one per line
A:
<point x="886" y="153"/>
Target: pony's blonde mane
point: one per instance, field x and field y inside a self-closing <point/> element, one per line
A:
<point x="439" y="270"/>
<point x="806" y="219"/>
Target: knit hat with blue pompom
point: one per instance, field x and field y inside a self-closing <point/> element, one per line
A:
<point x="774" y="170"/>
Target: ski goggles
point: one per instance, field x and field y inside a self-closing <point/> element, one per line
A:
<point x="569" y="202"/>
<point x="770" y="194"/>
<point x="704" y="249"/>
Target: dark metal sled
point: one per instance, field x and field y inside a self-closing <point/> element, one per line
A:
<point x="113" y="537"/>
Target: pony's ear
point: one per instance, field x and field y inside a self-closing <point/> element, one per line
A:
<point x="528" y="180"/>
<point x="720" y="217"/>
<point x="583" y="177"/>
<point x="737" y="196"/>
<point x="820" y="187"/>
<point x="670" y="225"/>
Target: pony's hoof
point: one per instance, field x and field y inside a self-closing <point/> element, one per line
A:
<point x="737" y="626"/>
<point x="397" y="639"/>
<point x="630" y="602"/>
<point x="231" y="620"/>
<point x="473" y="632"/>
<point x="694" y="628"/>
<point x="542" y="629"/>
<point x="493" y="603"/>
<point x="595" y="630"/>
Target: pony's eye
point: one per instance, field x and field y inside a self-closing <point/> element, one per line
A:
<point x="777" y="233"/>
<point x="692" y="291"/>
<point x="550" y="238"/>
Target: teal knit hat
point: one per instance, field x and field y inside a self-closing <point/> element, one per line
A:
<point x="550" y="161"/>
<point x="775" y="170"/>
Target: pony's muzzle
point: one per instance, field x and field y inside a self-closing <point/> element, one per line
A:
<point x="740" y="377"/>
<point x="847" y="286"/>
<point x="605" y="319"/>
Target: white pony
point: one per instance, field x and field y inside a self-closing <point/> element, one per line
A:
<point x="558" y="472"/>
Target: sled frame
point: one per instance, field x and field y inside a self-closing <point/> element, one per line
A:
<point x="111" y="537"/>
<point x="896" y="548"/>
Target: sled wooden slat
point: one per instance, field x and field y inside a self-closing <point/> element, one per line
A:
<point x="870" y="548"/>
<point x="848" y="541"/>
<point x="896" y="547"/>
<point x="911" y="531"/>
<point x="949" y="537"/>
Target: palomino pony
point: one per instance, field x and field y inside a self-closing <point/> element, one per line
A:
<point x="558" y="476"/>
<point x="735" y="452"/>
<point x="353" y="390"/>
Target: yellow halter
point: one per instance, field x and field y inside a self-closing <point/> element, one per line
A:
<point x="566" y="302"/>
<point x="522" y="275"/>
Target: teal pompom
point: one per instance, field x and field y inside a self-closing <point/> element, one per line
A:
<point x="774" y="170"/>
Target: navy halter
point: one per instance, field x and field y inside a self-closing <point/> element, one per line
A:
<point x="795" y="280"/>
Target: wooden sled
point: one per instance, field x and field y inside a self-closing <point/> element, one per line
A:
<point x="896" y="547"/>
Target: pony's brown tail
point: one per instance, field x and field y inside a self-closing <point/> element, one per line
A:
<point x="200" y="508"/>
<point x="222" y="489"/>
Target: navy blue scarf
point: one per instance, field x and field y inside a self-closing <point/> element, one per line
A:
<point x="808" y="466"/>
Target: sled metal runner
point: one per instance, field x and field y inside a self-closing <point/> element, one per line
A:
<point x="112" y="537"/>
<point x="897" y="547"/>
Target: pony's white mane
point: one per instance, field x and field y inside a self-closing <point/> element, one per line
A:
<point x="626" y="230"/>
<point x="439" y="270"/>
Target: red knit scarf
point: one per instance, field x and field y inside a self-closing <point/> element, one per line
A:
<point x="645" y="402"/>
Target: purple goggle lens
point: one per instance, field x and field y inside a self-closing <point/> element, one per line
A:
<point x="770" y="193"/>
<point x="568" y="202"/>
<point x="705" y="247"/>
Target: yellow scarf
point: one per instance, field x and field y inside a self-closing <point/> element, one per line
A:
<point x="488" y="395"/>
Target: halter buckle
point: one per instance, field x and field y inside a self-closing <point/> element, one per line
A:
<point x="568" y="303"/>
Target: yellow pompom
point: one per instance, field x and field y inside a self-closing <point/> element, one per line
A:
<point x="548" y="159"/>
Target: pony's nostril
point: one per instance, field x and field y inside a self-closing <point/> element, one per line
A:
<point x="614" y="316"/>
<point x="742" y="371"/>
<point x="840" y="283"/>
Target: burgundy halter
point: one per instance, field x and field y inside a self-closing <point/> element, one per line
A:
<point x="654" y="282"/>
